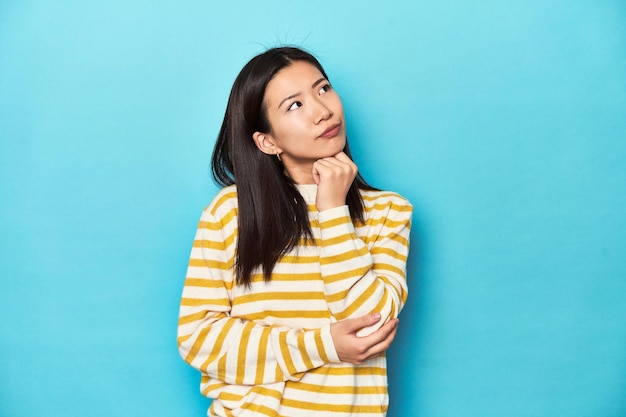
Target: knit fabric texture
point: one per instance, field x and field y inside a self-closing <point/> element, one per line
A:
<point x="267" y="350"/>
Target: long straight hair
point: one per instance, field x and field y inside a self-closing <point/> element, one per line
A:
<point x="272" y="215"/>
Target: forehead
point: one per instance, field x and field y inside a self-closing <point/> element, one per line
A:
<point x="294" y="79"/>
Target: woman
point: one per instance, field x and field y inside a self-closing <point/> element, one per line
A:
<point x="297" y="272"/>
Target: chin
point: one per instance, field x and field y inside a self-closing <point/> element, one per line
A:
<point x="339" y="145"/>
<point x="332" y="152"/>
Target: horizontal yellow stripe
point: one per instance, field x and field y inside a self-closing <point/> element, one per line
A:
<point x="191" y="318"/>
<point x="223" y="199"/>
<point x="202" y="224"/>
<point x="342" y="295"/>
<point x="296" y="259"/>
<point x="258" y="408"/>
<point x="348" y="370"/>
<point x="387" y="267"/>
<point x="397" y="238"/>
<point x="346" y="256"/>
<point x="369" y="240"/>
<point x="210" y="263"/>
<point x="230" y="396"/>
<point x="332" y="389"/>
<point x="390" y="252"/>
<point x="278" y="296"/>
<point x="389" y="207"/>
<point x="309" y="241"/>
<point x="391" y="282"/>
<point x="338" y="239"/>
<point x="204" y="282"/>
<point x="218" y="225"/>
<point x="375" y="195"/>
<point x="343" y="408"/>
<point x="258" y="389"/>
<point x="196" y="302"/>
<point x="385" y="221"/>
<point x="209" y="244"/>
<point x="287" y="314"/>
<point x="343" y="370"/>
<point x="267" y="392"/>
<point x="206" y="387"/>
<point x="215" y="244"/>
<point x="346" y="274"/>
<point x="310" y="276"/>
<point x="335" y="222"/>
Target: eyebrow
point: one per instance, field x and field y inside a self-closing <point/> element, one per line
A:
<point x="321" y="80"/>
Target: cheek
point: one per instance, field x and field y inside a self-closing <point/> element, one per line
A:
<point x="297" y="125"/>
<point x="291" y="132"/>
<point x="337" y="104"/>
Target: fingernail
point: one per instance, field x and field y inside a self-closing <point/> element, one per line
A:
<point x="376" y="316"/>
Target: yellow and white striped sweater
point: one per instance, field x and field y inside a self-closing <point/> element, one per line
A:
<point x="267" y="350"/>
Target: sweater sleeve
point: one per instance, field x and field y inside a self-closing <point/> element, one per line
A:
<point x="230" y="349"/>
<point x="368" y="274"/>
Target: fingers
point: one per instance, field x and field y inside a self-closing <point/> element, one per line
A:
<point x="356" y="350"/>
<point x="334" y="176"/>
<point x="376" y="343"/>
<point x="354" y="325"/>
<point x="341" y="156"/>
<point x="330" y="169"/>
<point x="339" y="163"/>
<point x="384" y="341"/>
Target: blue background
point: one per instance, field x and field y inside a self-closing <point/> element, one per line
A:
<point x="504" y="122"/>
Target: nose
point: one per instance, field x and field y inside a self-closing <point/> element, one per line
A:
<point x="323" y="112"/>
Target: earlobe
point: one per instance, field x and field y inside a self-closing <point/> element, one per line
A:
<point x="264" y="142"/>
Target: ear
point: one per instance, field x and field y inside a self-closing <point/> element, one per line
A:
<point x="266" y="143"/>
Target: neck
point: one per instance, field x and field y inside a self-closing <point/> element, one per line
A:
<point x="300" y="174"/>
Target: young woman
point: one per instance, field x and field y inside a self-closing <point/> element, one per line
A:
<point x="297" y="272"/>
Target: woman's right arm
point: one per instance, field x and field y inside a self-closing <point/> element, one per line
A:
<point x="238" y="351"/>
<point x="231" y="349"/>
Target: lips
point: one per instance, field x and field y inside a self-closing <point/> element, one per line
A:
<point x="331" y="132"/>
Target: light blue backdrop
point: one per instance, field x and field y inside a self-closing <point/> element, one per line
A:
<point x="504" y="122"/>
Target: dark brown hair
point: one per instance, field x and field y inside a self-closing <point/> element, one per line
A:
<point x="272" y="215"/>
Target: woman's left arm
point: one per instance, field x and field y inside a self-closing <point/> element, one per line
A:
<point x="368" y="274"/>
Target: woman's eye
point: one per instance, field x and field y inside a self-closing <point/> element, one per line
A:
<point x="325" y="88"/>
<point x="295" y="105"/>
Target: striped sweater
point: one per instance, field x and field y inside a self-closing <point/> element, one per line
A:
<point x="267" y="350"/>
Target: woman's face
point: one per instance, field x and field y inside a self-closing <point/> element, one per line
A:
<point x="305" y="115"/>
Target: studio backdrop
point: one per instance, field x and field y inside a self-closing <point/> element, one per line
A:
<point x="503" y="122"/>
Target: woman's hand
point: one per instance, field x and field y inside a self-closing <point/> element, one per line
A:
<point x="334" y="176"/>
<point x="353" y="349"/>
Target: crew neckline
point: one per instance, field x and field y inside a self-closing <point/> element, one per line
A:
<point x="308" y="192"/>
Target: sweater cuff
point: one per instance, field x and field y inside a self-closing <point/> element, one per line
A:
<point x="325" y="345"/>
<point x="334" y="213"/>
